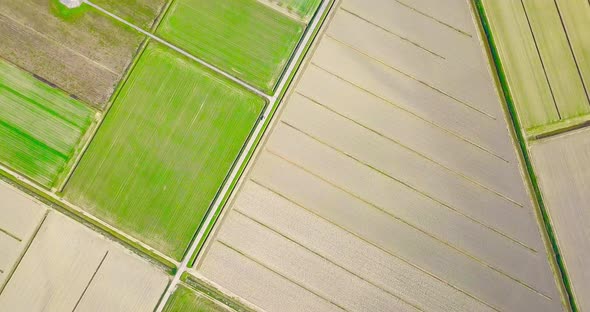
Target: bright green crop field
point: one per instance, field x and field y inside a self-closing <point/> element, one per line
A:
<point x="303" y="8"/>
<point x="40" y="127"/>
<point x="164" y="149"/>
<point x="185" y="299"/>
<point x="245" y="38"/>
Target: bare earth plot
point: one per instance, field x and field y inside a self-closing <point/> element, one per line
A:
<point x="81" y="51"/>
<point x="389" y="183"/>
<point x="546" y="64"/>
<point x="164" y="149"/>
<point x="20" y="218"/>
<point x="245" y="38"/>
<point x="41" y="127"/>
<point x="68" y="267"/>
<point x="561" y="164"/>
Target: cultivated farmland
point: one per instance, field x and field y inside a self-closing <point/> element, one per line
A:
<point x="302" y="8"/>
<point x="68" y="267"/>
<point x="40" y="127"/>
<point x="246" y="38"/>
<point x="390" y="181"/>
<point x="142" y="13"/>
<point x="546" y="65"/>
<point x="82" y="51"/>
<point x="184" y="299"/>
<point x="561" y="165"/>
<point x="164" y="149"/>
<point x="19" y="219"/>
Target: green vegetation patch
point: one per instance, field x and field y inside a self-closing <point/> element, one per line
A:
<point x="246" y="38"/>
<point x="185" y="299"/>
<point x="302" y="8"/>
<point x="164" y="149"/>
<point x="40" y="126"/>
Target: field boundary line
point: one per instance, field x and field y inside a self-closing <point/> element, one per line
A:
<point x="16" y="238"/>
<point x="244" y="156"/>
<point x="181" y="51"/>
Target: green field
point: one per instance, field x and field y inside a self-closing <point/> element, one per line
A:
<point x="164" y="149"/>
<point x="303" y="8"/>
<point x="245" y="38"/>
<point x="185" y="299"/>
<point x="40" y="126"/>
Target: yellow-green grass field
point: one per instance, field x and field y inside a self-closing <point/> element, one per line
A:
<point x="40" y="127"/>
<point x="245" y="38"/>
<point x="164" y="149"/>
<point x="302" y="8"/>
<point x="544" y="58"/>
<point x="185" y="299"/>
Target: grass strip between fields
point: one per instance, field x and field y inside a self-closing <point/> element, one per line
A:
<point x="523" y="147"/>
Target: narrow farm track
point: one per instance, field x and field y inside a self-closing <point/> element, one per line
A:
<point x="390" y="179"/>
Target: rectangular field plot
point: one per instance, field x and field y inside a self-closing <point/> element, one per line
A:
<point x="40" y="127"/>
<point x="164" y="149"/>
<point x="302" y="8"/>
<point x="82" y="51"/>
<point x="185" y="299"/>
<point x="68" y="267"/>
<point x="246" y="38"/>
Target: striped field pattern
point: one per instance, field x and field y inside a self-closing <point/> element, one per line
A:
<point x="40" y="126"/>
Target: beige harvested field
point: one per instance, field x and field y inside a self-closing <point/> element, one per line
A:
<point x="83" y="52"/>
<point x="19" y="220"/>
<point x="389" y="182"/>
<point x="69" y="267"/>
<point x="561" y="165"/>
